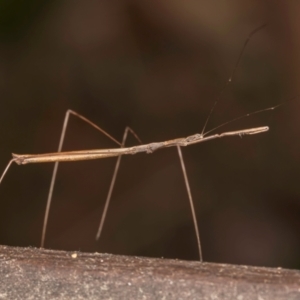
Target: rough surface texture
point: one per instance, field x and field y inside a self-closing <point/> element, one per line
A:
<point x="30" y="273"/>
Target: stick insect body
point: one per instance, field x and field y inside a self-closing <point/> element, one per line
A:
<point x="22" y="159"/>
<point x="59" y="156"/>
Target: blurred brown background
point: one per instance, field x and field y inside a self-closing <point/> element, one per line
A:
<point x="158" y="67"/>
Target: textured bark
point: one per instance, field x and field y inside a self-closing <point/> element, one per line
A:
<point x="30" y="273"/>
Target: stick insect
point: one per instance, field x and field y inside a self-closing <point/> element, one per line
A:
<point x="59" y="156"/>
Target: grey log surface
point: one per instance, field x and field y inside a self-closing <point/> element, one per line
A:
<point x="31" y="273"/>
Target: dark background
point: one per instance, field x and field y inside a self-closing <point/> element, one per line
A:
<point x="157" y="66"/>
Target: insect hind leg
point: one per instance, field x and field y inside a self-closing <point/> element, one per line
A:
<point x="54" y="173"/>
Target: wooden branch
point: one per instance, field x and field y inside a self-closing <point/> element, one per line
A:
<point x="30" y="273"/>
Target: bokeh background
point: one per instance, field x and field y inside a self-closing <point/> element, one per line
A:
<point x="156" y="66"/>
